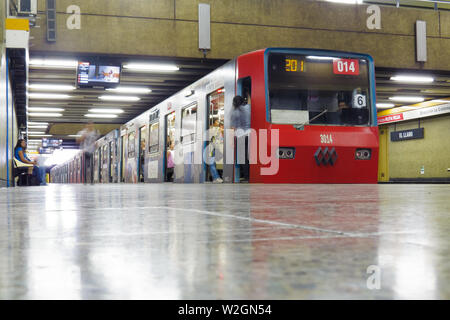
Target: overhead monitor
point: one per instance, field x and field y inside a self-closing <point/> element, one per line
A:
<point x="55" y="143"/>
<point x="91" y="74"/>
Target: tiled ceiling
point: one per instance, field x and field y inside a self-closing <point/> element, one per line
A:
<point x="386" y="88"/>
<point x="162" y="84"/>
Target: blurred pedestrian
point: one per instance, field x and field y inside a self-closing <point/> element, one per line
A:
<point x="87" y="141"/>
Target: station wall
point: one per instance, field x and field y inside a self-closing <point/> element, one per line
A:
<point x="7" y="113"/>
<point x="170" y="28"/>
<point x="426" y="159"/>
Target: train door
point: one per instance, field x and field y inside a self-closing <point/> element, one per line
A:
<point x="115" y="166"/>
<point x="242" y="170"/>
<point x="142" y="152"/>
<point x="104" y="168"/>
<point x="213" y="149"/>
<point x="96" y="165"/>
<point x="131" y="165"/>
<point x="111" y="162"/>
<point x="169" y="148"/>
<point x="188" y="136"/>
<point x="78" y="169"/>
<point x="122" y="158"/>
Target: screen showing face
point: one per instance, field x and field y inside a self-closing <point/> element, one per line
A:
<point x="90" y="73"/>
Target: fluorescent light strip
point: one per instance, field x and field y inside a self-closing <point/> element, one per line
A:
<point x="45" y="109"/>
<point x="74" y="135"/>
<point x="53" y="63"/>
<point x="37" y="127"/>
<point x="320" y="58"/>
<point x="130" y="90"/>
<point x="48" y="96"/>
<point x="39" y="114"/>
<point x="385" y="105"/>
<point x="98" y="110"/>
<point x="51" y="87"/>
<point x="36" y="132"/>
<point x="37" y="123"/>
<point x="413" y="79"/>
<point x="119" y="98"/>
<point x="149" y="67"/>
<point x="40" y="135"/>
<point x="440" y="101"/>
<point x="93" y="115"/>
<point x="407" y="99"/>
<point x="346" y="1"/>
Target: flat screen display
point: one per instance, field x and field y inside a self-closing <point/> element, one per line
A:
<point x="55" y="143"/>
<point x="89" y="74"/>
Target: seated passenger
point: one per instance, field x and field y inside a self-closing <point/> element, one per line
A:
<point x="20" y="155"/>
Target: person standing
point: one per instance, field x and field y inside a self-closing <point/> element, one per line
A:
<point x="87" y="141"/>
<point x="240" y="122"/>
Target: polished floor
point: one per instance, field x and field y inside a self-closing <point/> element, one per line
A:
<point x="173" y="241"/>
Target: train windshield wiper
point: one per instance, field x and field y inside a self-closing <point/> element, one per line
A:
<point x="302" y="125"/>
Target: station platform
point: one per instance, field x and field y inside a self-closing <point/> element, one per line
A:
<point x="204" y="241"/>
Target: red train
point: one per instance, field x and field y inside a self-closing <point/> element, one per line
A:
<point x="313" y="120"/>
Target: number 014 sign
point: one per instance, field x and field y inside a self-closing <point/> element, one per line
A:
<point x="346" y="66"/>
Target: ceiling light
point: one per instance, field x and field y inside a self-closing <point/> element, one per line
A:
<point x="347" y="1"/>
<point x="45" y="109"/>
<point x="74" y="135"/>
<point x="385" y="105"/>
<point x="320" y="58"/>
<point x="53" y="63"/>
<point x="48" y="96"/>
<point x="98" y="110"/>
<point x="37" y="123"/>
<point x="119" y="98"/>
<point x="407" y="99"/>
<point x="39" y="114"/>
<point x="440" y="101"/>
<point x="54" y="87"/>
<point x="145" y="67"/>
<point x="36" y="132"/>
<point x="40" y="135"/>
<point x="414" y="79"/>
<point x="130" y="90"/>
<point x="93" y="115"/>
<point x="37" y="127"/>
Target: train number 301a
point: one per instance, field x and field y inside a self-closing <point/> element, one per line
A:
<point x="326" y="138"/>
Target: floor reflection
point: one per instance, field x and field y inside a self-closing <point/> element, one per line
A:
<point x="172" y="241"/>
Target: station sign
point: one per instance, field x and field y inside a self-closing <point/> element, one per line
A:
<point x="415" y="114"/>
<point x="407" y="134"/>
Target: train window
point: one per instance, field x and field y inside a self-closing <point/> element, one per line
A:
<point x="131" y="145"/>
<point x="188" y="123"/>
<point x="318" y="89"/>
<point x="153" y="139"/>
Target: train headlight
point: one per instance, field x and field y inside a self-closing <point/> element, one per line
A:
<point x="286" y="153"/>
<point x="363" y="154"/>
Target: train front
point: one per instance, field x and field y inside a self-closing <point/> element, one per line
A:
<point x="323" y="104"/>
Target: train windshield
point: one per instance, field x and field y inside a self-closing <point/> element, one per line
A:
<point x="318" y="90"/>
